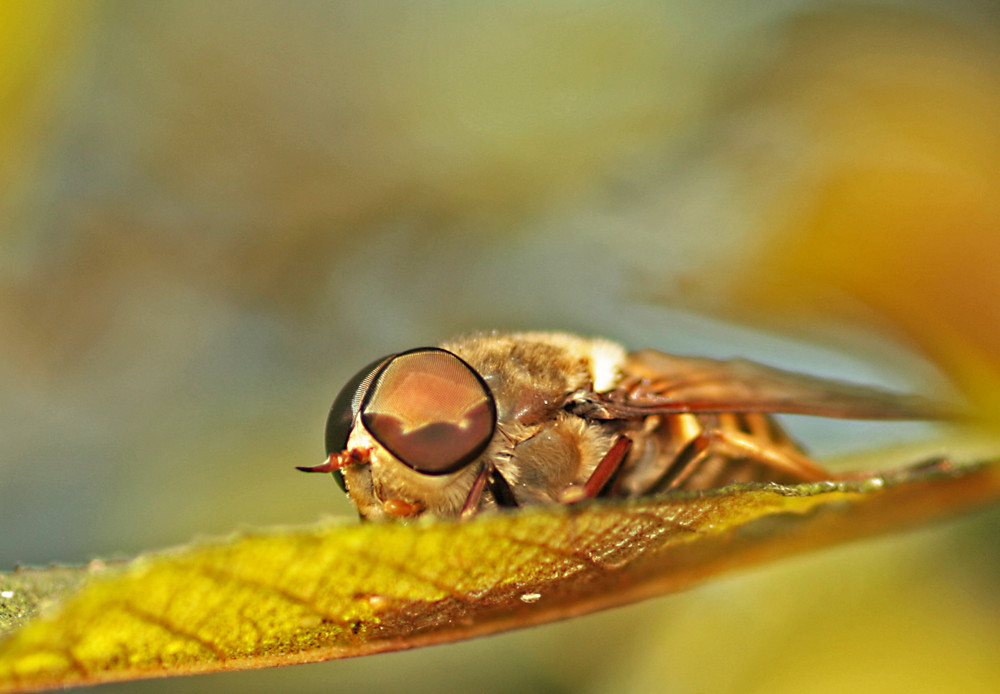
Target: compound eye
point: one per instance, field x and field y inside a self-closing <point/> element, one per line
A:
<point x="431" y="410"/>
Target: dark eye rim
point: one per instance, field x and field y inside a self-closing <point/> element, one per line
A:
<point x="344" y="411"/>
<point x="490" y="401"/>
<point x="346" y="406"/>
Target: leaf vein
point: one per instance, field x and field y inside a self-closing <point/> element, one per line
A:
<point x="171" y="628"/>
<point x="405" y="570"/>
<point x="222" y="575"/>
<point x="584" y="559"/>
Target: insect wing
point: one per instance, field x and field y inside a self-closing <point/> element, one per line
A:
<point x="672" y="385"/>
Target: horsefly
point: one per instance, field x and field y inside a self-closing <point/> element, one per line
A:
<point x="504" y="420"/>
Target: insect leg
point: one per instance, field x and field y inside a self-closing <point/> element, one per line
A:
<point x="502" y="493"/>
<point x="735" y="445"/>
<point x="608" y="466"/>
<point x="488" y="477"/>
<point x="476" y="493"/>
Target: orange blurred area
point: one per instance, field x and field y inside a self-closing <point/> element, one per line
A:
<point x="211" y="215"/>
<point x="892" y="218"/>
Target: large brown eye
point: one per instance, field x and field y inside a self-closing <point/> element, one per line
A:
<point x="431" y="410"/>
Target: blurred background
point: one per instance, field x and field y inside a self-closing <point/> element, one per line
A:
<point x="212" y="214"/>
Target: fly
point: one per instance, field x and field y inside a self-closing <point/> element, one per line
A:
<point x="499" y="420"/>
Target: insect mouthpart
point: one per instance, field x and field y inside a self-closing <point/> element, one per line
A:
<point x="335" y="462"/>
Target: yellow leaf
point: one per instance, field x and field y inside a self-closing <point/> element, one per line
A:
<point x="292" y="596"/>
